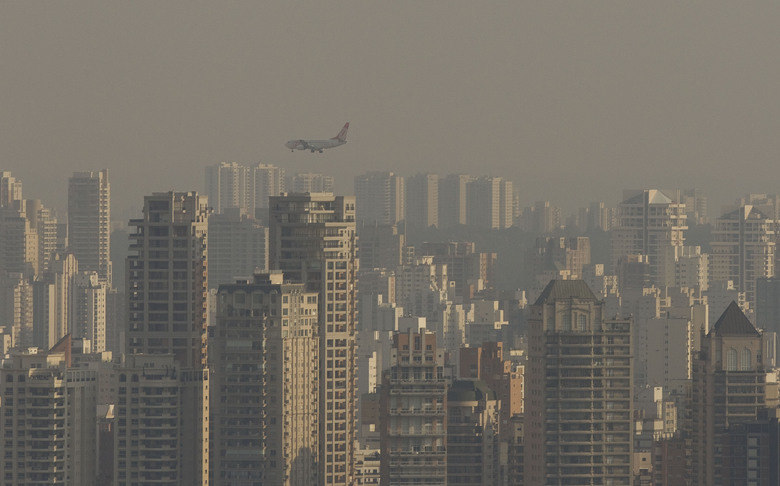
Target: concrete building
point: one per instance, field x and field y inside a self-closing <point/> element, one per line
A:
<point x="729" y="388"/>
<point x="413" y="412"/>
<point x="695" y="206"/>
<point x="161" y="422"/>
<point x="89" y="316"/>
<point x="167" y="283"/>
<point x="89" y="222"/>
<point x="473" y="429"/>
<point x="230" y="185"/>
<point x="18" y="242"/>
<point x="309" y="182"/>
<point x="579" y="392"/>
<point x="453" y="200"/>
<point x="651" y="223"/>
<point x="504" y="377"/>
<point x="312" y="240"/>
<point x="422" y="200"/>
<point x="264" y="350"/>
<point x="422" y="288"/>
<point x="269" y="180"/>
<point x="10" y="190"/>
<point x="43" y="220"/>
<point x="238" y="247"/>
<point x="49" y="420"/>
<point x="16" y="308"/>
<point x="489" y="203"/>
<point x="380" y="198"/>
<point x="691" y="269"/>
<point x="743" y="249"/>
<point x="380" y="246"/>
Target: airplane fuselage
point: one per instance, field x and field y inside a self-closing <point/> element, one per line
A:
<point x="314" y="145"/>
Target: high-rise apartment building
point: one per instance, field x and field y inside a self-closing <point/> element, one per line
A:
<point x="268" y="181"/>
<point x="381" y="246"/>
<point x="381" y="198"/>
<point x="489" y="203"/>
<point x="43" y="220"/>
<point x="729" y="388"/>
<point x="695" y="205"/>
<point x="422" y="200"/>
<point x="18" y="242"/>
<point x="88" y="316"/>
<point x="743" y="249"/>
<point x="650" y="223"/>
<point x="453" y="200"/>
<point x="48" y="425"/>
<point x="89" y="221"/>
<point x="579" y="391"/>
<point x="167" y="278"/>
<point x="264" y="350"/>
<point x="161" y="422"/>
<point x="473" y="428"/>
<point x="312" y="240"/>
<point x="413" y="412"/>
<point x="230" y="185"/>
<point x="238" y="247"/>
<point x="10" y="190"/>
<point x="310" y="182"/>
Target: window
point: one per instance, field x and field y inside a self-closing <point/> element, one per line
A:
<point x="731" y="360"/>
<point x="746" y="361"/>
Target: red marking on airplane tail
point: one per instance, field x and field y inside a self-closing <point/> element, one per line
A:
<point x="342" y="134"/>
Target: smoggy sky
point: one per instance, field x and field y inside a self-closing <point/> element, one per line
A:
<point x="573" y="101"/>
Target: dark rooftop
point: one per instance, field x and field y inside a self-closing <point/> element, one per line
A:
<point x="565" y="289"/>
<point x="733" y="322"/>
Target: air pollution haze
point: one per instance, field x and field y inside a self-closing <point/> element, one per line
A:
<point x="573" y="101"/>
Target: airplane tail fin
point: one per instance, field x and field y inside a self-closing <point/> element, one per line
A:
<point x="342" y="136"/>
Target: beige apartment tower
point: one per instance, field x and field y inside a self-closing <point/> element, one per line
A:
<point x="312" y="240"/>
<point x="167" y="278"/>
<point x="381" y="198"/>
<point x="422" y="200"/>
<point x="89" y="221"/>
<point x="579" y="391"/>
<point x="264" y="351"/>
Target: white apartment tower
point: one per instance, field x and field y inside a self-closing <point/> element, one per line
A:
<point x="229" y="185"/>
<point x="268" y="181"/>
<point x="310" y="182"/>
<point x="743" y="249"/>
<point x="89" y="221"/>
<point x="650" y="223"/>
<point x="167" y="278"/>
<point x="312" y="240"/>
<point x="88" y="319"/>
<point x="10" y="190"/>
<point x="380" y="198"/>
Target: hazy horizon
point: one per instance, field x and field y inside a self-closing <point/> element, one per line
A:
<point x="571" y="101"/>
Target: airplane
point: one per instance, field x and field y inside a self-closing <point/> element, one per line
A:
<point x="319" y="145"/>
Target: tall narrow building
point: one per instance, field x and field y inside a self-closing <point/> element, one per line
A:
<point x="312" y="240"/>
<point x="167" y="278"/>
<point x="230" y="185"/>
<point x="579" y="391"/>
<point x="89" y="222"/>
<point x="453" y="200"/>
<point x="268" y="181"/>
<point x="729" y="389"/>
<point x="264" y="349"/>
<point x="380" y="198"/>
<point x="743" y="249"/>
<point x="652" y="223"/>
<point x="413" y="412"/>
<point x="422" y="200"/>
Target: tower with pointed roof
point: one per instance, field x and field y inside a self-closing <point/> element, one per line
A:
<point x="579" y="390"/>
<point x="729" y="388"/>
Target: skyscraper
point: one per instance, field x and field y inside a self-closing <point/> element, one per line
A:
<point x="380" y="198"/>
<point x="268" y="181"/>
<point x="238" y="247"/>
<point x="310" y="182"/>
<point x="167" y="278"/>
<point x="743" y="249"/>
<point x="10" y="190"/>
<point x="453" y="200"/>
<point x="729" y="388"/>
<point x="312" y="240"/>
<point x="651" y="223"/>
<point x="579" y="392"/>
<point x="422" y="200"/>
<point x="230" y="185"/>
<point x="413" y="412"/>
<point x="89" y="221"/>
<point x="264" y="349"/>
